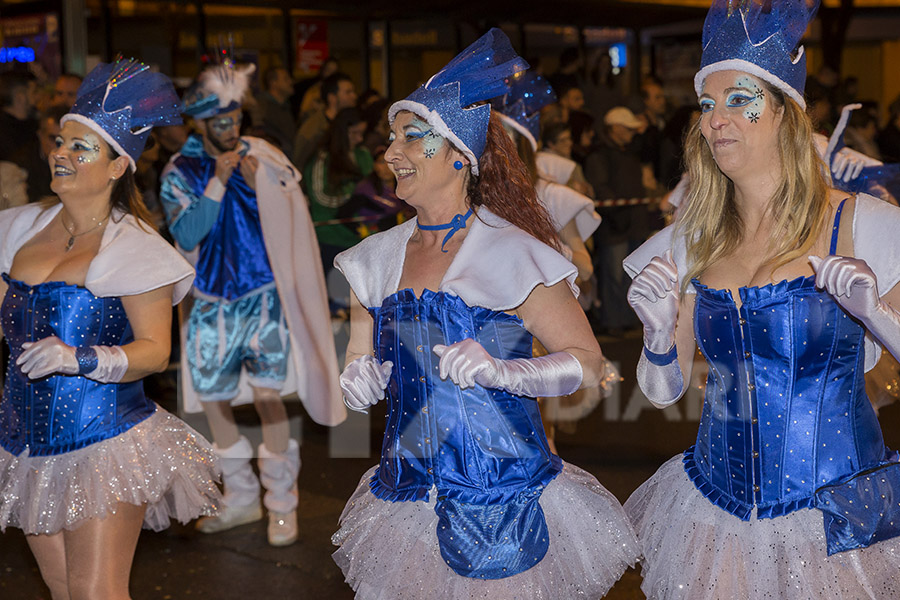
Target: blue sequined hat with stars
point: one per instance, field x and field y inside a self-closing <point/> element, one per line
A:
<point x="122" y="101"/>
<point x="759" y="37"/>
<point x="446" y="101"/>
<point x="528" y="94"/>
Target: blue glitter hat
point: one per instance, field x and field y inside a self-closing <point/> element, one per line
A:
<point x="218" y="89"/>
<point x="122" y="101"/>
<point x="475" y="75"/>
<point x="528" y="94"/>
<point x="758" y="37"/>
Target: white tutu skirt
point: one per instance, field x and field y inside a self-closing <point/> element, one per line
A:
<point x="389" y="550"/>
<point x="695" y="550"/>
<point x="160" y="462"/>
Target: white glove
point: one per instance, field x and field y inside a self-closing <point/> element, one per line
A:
<point x="51" y="355"/>
<point x="364" y="381"/>
<point x="47" y="356"/>
<point x="468" y="363"/>
<point x="655" y="297"/>
<point x="848" y="164"/>
<point x="853" y="285"/>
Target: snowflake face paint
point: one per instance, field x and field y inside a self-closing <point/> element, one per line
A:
<point x="754" y="107"/>
<point x="431" y="141"/>
<point x="746" y="94"/>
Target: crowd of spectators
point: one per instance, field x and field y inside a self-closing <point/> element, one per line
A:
<point x="624" y="151"/>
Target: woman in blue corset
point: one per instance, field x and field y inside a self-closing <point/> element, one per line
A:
<point x="87" y="289"/>
<point x="788" y="287"/>
<point x="467" y="500"/>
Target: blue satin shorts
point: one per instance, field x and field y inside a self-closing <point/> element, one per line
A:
<point x="226" y="337"/>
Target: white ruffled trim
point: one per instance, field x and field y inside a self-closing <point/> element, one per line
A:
<point x="694" y="550"/>
<point x="160" y="462"/>
<point x="497" y="266"/>
<point x="435" y="120"/>
<point x="737" y="64"/>
<point x="591" y="545"/>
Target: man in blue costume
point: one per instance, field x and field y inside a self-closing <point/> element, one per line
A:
<point x="254" y="333"/>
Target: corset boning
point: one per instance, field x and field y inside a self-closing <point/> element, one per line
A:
<point x="61" y="413"/>
<point x="785" y="410"/>
<point x="475" y="445"/>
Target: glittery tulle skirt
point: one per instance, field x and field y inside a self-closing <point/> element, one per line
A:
<point x="160" y="462"/>
<point x="695" y="550"/>
<point x="389" y="550"/>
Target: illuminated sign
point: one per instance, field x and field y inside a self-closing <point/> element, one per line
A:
<point x="22" y="54"/>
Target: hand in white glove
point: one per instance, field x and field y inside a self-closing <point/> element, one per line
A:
<point x="850" y="281"/>
<point x="855" y="288"/>
<point x="848" y="164"/>
<point x="654" y="296"/>
<point x="467" y="363"/>
<point x="47" y="356"/>
<point x="364" y="381"/>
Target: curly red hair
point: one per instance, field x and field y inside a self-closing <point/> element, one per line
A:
<point x="505" y="187"/>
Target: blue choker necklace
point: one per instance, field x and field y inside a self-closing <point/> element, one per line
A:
<point x="456" y="223"/>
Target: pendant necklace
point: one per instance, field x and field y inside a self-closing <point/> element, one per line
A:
<point x="72" y="235"/>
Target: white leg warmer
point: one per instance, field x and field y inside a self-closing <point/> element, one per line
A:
<point x="278" y="473"/>
<point x="241" y="484"/>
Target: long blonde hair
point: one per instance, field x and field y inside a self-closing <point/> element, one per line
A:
<point x="710" y="220"/>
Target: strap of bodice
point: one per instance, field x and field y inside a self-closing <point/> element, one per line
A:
<point x="836" y="226"/>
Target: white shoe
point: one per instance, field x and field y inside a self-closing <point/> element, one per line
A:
<point x="282" y="530"/>
<point x="230" y="517"/>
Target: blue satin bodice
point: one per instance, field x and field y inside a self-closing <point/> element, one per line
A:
<point x="232" y="259"/>
<point x="785" y="410"/>
<point x="62" y="413"/>
<point x="477" y="444"/>
<point x="484" y="450"/>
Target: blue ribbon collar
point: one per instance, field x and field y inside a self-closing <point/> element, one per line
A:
<point x="456" y="223"/>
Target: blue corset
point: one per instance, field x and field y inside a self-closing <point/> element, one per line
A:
<point x="785" y="411"/>
<point x="232" y="259"/>
<point x="61" y="413"/>
<point x="484" y="450"/>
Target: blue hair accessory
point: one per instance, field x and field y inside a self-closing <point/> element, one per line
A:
<point x="759" y="38"/>
<point x="477" y="74"/>
<point x="122" y="101"/>
<point x="521" y="109"/>
<point x="456" y="223"/>
<point x="458" y="165"/>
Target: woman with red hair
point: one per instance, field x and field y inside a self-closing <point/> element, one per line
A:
<point x="468" y="500"/>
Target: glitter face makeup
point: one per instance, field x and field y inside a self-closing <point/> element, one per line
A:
<point x="85" y="150"/>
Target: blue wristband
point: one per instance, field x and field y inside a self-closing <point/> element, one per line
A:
<point x="87" y="359"/>
<point x="661" y="359"/>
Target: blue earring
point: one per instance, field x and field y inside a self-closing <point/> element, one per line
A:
<point x="458" y="165"/>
